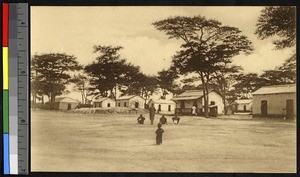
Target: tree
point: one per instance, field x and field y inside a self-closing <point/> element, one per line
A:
<point x="284" y="74"/>
<point x="143" y="85"/>
<point x="280" y="21"/>
<point x="205" y="43"/>
<point x="223" y="79"/>
<point x="109" y="72"/>
<point x="80" y="82"/>
<point x="53" y="73"/>
<point x="166" y="80"/>
<point x="246" y="84"/>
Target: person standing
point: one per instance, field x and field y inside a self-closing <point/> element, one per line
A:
<point x="194" y="110"/>
<point x="159" y="132"/>
<point x="152" y="113"/>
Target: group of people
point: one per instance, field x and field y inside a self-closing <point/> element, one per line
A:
<point x="162" y="121"/>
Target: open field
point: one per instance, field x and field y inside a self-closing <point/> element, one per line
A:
<point x="73" y="142"/>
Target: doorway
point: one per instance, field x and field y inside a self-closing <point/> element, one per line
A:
<point x="289" y="109"/>
<point x="69" y="106"/>
<point x="136" y="104"/>
<point x="264" y="107"/>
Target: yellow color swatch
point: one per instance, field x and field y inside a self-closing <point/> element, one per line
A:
<point x="5" y="67"/>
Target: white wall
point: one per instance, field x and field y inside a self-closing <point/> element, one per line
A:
<point x="138" y="99"/>
<point x="240" y="107"/>
<point x="131" y="102"/>
<point x="213" y="96"/>
<point x="164" y="107"/>
<point x="275" y="103"/>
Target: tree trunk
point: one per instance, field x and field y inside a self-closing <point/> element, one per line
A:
<point x="52" y="101"/>
<point x="205" y="94"/>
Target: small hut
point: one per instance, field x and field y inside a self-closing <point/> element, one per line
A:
<point x="65" y="103"/>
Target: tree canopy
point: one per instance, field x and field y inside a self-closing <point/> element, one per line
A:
<point x="51" y="73"/>
<point x="280" y="21"/>
<point x="206" y="43"/>
<point x="109" y="71"/>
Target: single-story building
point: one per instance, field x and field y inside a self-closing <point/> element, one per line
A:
<point x="132" y="101"/>
<point x="65" y="103"/>
<point x="163" y="106"/>
<point x="275" y="101"/>
<point x="243" y="105"/>
<point x="104" y="102"/>
<point x="189" y="98"/>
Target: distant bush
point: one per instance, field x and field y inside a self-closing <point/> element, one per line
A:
<point x="84" y="106"/>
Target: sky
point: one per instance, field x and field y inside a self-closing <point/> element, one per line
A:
<point x="75" y="30"/>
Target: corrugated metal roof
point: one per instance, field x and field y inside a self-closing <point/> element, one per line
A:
<point x="243" y="101"/>
<point x="100" y="99"/>
<point x="189" y="95"/>
<point x="66" y="100"/>
<point x="186" y="98"/>
<point x="126" y="97"/>
<point x="161" y="101"/>
<point x="290" y="88"/>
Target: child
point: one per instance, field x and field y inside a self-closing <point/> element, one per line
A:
<point x="159" y="132"/>
<point x="141" y="119"/>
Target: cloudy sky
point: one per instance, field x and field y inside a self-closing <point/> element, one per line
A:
<point x="74" y="30"/>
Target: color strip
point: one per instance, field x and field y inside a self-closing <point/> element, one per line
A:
<point x="5" y="112"/>
<point x="13" y="87"/>
<point x="5" y="67"/>
<point x="6" y="153"/>
<point x="5" y="24"/>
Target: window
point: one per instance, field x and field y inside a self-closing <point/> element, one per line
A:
<point x="212" y="103"/>
<point x="108" y="105"/>
<point x="125" y="104"/>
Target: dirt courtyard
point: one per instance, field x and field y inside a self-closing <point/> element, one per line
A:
<point x="72" y="142"/>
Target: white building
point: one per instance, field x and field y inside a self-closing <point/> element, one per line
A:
<point x="189" y="98"/>
<point x="132" y="101"/>
<point x="65" y="103"/>
<point x="104" y="102"/>
<point x="163" y="106"/>
<point x="243" y="105"/>
<point x="275" y="101"/>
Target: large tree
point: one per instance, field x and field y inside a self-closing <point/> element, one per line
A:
<point x="52" y="73"/>
<point x="280" y="21"/>
<point x="109" y="71"/>
<point x="206" y="42"/>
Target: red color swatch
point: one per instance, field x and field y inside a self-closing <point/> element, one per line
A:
<point x="5" y="25"/>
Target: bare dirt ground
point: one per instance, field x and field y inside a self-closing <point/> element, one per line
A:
<point x="71" y="142"/>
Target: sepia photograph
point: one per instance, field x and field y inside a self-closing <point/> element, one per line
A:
<point x="163" y="89"/>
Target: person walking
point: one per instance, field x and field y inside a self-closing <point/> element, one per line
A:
<point x="152" y="113"/>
